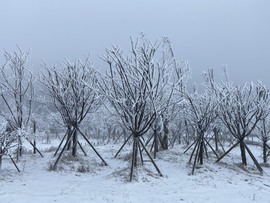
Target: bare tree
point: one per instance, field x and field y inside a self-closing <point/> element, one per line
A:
<point x="240" y="109"/>
<point x="16" y="89"/>
<point x="177" y="73"/>
<point x="201" y="113"/>
<point x="7" y="140"/>
<point x="72" y="90"/>
<point x="135" y="86"/>
<point x="263" y="133"/>
<point x="175" y="115"/>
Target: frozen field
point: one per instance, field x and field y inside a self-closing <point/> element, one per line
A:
<point x="86" y="180"/>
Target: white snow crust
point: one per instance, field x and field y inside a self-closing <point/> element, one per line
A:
<point x="221" y="182"/>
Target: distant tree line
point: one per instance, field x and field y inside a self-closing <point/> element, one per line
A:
<point x="142" y="99"/>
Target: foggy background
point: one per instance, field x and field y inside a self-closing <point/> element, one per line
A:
<point x="206" y="33"/>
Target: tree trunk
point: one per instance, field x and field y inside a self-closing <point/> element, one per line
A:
<point x="19" y="149"/>
<point x="134" y="156"/>
<point x="1" y="158"/>
<point x="216" y="138"/>
<point x="201" y="150"/>
<point x="264" y="151"/>
<point x="165" y="137"/>
<point x="165" y="142"/>
<point x="243" y="152"/>
<point x="68" y="138"/>
<point x="34" y="131"/>
<point x="155" y="143"/>
<point x="136" y="152"/>
<point x="75" y="140"/>
<point x="34" y="148"/>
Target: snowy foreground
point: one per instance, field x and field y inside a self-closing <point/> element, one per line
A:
<point x="86" y="180"/>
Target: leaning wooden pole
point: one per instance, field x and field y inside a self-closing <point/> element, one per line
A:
<point x="196" y="157"/>
<point x="60" y="143"/>
<point x="253" y="159"/>
<point x="91" y="146"/>
<point x="192" y="153"/>
<point x="34" y="146"/>
<point x="211" y="147"/>
<point x="196" y="141"/>
<point x="122" y="146"/>
<point x="14" y="163"/>
<point x="58" y="158"/>
<point x="82" y="148"/>
<point x="151" y="159"/>
<point x="133" y="159"/>
<point x="227" y="152"/>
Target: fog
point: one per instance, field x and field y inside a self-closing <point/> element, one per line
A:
<point x="206" y="33"/>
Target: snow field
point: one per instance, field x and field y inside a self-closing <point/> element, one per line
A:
<point x="212" y="182"/>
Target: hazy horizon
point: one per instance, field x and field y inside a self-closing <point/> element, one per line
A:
<point x="208" y="34"/>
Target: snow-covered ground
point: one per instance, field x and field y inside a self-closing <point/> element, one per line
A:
<point x="212" y="182"/>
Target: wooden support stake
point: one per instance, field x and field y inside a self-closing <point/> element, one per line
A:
<point x="133" y="159"/>
<point x="196" y="156"/>
<point x="34" y="147"/>
<point x="253" y="158"/>
<point x="14" y="163"/>
<point x="148" y="154"/>
<point x="92" y="146"/>
<point x="58" y="158"/>
<point x="81" y="148"/>
<point x="60" y="143"/>
<point x="227" y="152"/>
<point x="122" y="146"/>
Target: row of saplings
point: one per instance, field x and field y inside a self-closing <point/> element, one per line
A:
<point x="199" y="146"/>
<point x="140" y="87"/>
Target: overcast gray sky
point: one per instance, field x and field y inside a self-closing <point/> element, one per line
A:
<point x="207" y="33"/>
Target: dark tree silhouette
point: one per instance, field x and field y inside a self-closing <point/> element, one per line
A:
<point x="72" y="90"/>
<point x="17" y="92"/>
<point x="201" y="114"/>
<point x="240" y="109"/>
<point x="263" y="133"/>
<point x="136" y="86"/>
